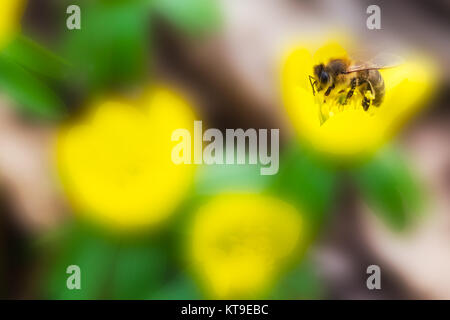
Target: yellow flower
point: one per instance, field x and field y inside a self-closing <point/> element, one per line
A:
<point x="10" y="12"/>
<point x="240" y="243"/>
<point x="115" y="162"/>
<point x="347" y="130"/>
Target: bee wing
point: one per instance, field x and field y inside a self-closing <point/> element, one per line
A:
<point x="381" y="61"/>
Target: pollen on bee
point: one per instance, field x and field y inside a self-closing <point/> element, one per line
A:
<point x="369" y="95"/>
<point x="334" y="104"/>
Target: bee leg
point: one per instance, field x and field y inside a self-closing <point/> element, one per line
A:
<point x="353" y="83"/>
<point x="368" y="96"/>
<point x="312" y="84"/>
<point x="371" y="89"/>
<point x="327" y="93"/>
<point x="366" y="103"/>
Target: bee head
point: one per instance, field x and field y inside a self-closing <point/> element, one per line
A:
<point x="322" y="76"/>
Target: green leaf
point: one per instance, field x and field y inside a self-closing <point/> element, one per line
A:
<point x="111" y="49"/>
<point x="30" y="93"/>
<point x="389" y="185"/>
<point x="212" y="179"/>
<point x="34" y="57"/>
<point x="302" y="282"/>
<point x="308" y="183"/>
<point x="94" y="255"/>
<point x="139" y="269"/>
<point x="181" y="287"/>
<point x="192" y="16"/>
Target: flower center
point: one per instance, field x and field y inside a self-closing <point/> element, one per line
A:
<point x="337" y="103"/>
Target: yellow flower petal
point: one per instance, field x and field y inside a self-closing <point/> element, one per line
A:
<point x="241" y="242"/>
<point x="296" y="91"/>
<point x="331" y="50"/>
<point x="407" y="87"/>
<point x="349" y="133"/>
<point x="116" y="162"/>
<point x="10" y="12"/>
<point x="298" y="64"/>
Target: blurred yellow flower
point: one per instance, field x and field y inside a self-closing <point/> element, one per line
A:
<point x="241" y="242"/>
<point x="115" y="162"/>
<point x="347" y="130"/>
<point x="10" y="13"/>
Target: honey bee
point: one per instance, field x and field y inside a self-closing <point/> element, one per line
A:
<point x="345" y="75"/>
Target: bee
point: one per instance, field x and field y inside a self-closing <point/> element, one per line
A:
<point x="345" y="75"/>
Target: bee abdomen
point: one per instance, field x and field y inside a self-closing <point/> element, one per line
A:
<point x="377" y="82"/>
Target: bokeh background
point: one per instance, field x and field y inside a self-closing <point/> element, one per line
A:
<point x="309" y="232"/>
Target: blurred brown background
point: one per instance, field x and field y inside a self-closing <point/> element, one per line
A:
<point x="232" y="76"/>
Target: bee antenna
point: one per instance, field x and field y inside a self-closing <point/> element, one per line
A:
<point x="312" y="84"/>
